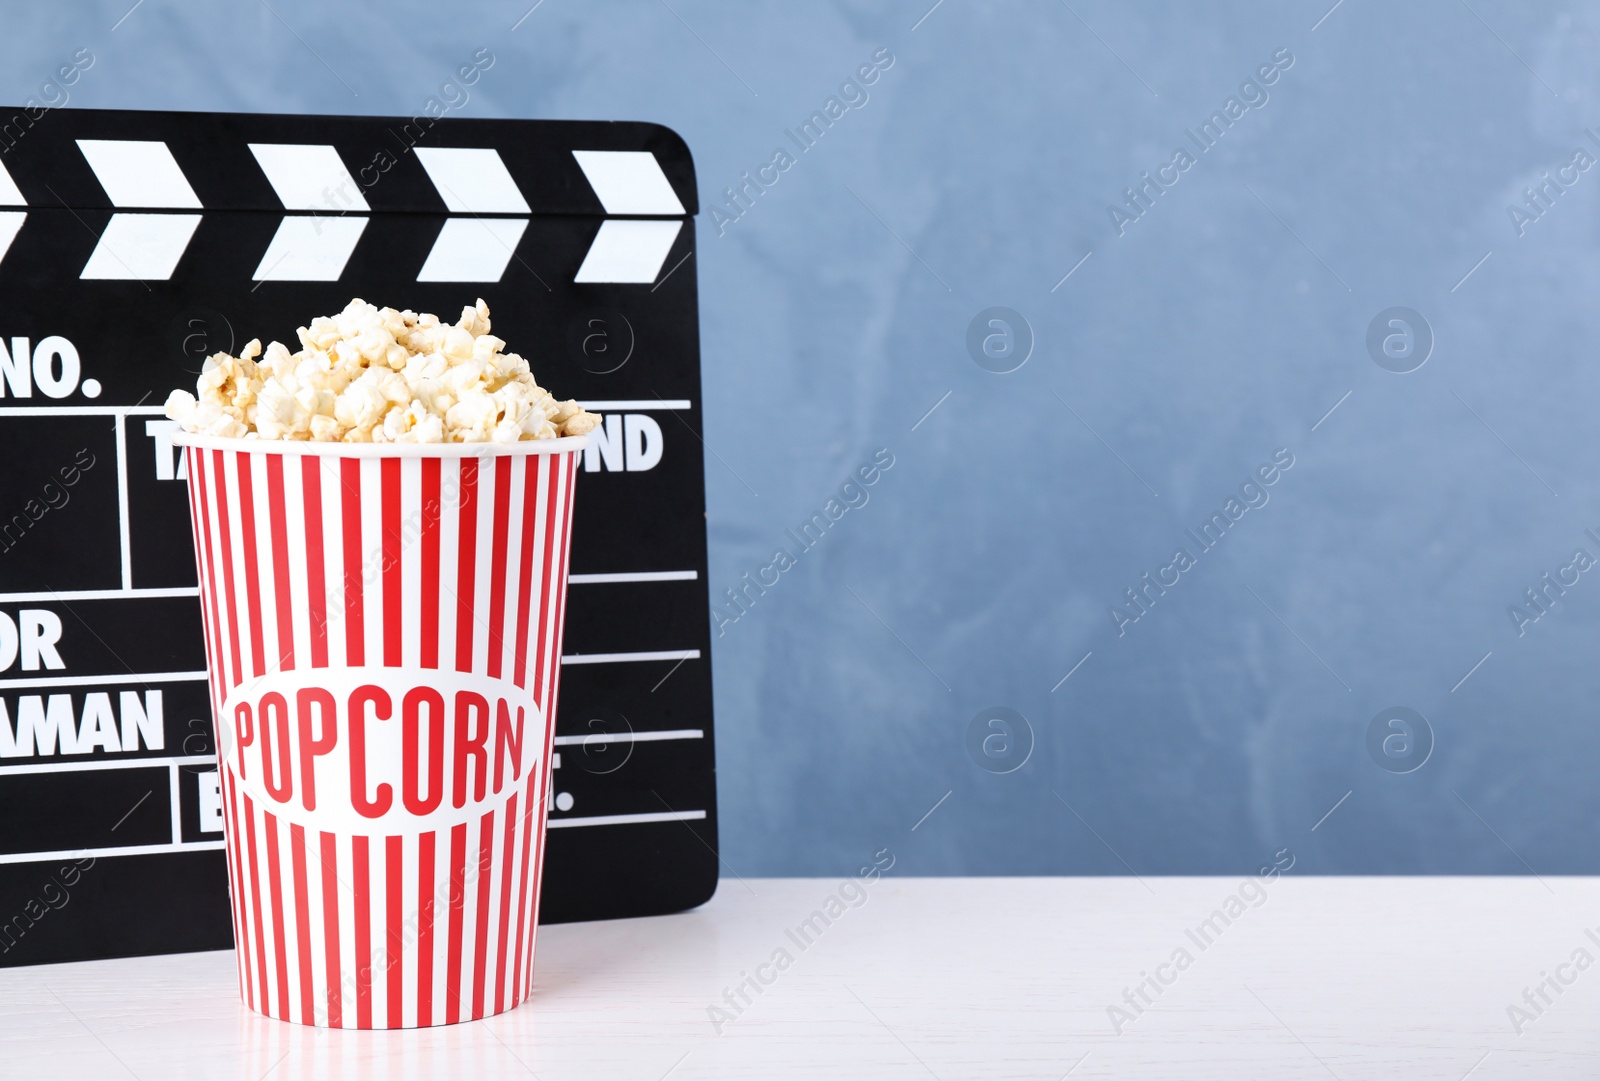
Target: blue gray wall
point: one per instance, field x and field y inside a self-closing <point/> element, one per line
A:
<point x="1188" y="344"/>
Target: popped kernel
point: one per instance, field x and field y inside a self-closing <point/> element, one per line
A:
<point x="377" y="375"/>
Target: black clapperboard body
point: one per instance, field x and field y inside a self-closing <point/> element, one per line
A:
<point x="134" y="244"/>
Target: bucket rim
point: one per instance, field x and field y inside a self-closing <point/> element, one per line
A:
<point x="308" y="448"/>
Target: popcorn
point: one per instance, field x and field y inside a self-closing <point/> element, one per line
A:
<point x="377" y="375"/>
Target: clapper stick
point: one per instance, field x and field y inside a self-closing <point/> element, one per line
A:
<point x="133" y="245"/>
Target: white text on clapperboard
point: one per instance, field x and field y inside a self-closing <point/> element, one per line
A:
<point x="49" y="724"/>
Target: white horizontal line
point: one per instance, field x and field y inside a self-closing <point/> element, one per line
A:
<point x="611" y="658"/>
<point x="179" y="677"/>
<point x="632" y="576"/>
<point x="98" y="594"/>
<point x="649" y="403"/>
<point x="100" y="681"/>
<point x="80" y="766"/>
<point x="619" y="406"/>
<point x="82" y="410"/>
<point x="629" y="737"/>
<point x="626" y="820"/>
<point x="101" y="853"/>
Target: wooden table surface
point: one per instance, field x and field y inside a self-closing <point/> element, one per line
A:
<point x="1039" y="978"/>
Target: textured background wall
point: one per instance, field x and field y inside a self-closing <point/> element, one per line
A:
<point x="1222" y="323"/>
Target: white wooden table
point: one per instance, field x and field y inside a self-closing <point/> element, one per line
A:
<point x="949" y="978"/>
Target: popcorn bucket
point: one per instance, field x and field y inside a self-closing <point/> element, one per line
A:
<point x="383" y="627"/>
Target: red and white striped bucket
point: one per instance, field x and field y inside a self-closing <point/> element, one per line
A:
<point x="383" y="625"/>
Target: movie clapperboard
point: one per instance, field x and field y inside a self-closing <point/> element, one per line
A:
<point x="133" y="245"/>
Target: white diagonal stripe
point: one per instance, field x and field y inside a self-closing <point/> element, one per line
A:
<point x="139" y="173"/>
<point x="10" y="194"/>
<point x="309" y="176"/>
<point x="628" y="181"/>
<point x="310" y="249"/>
<point x="145" y="247"/>
<point x="628" y="251"/>
<point x="10" y="222"/>
<point x="472" y="250"/>
<point x="472" y="180"/>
